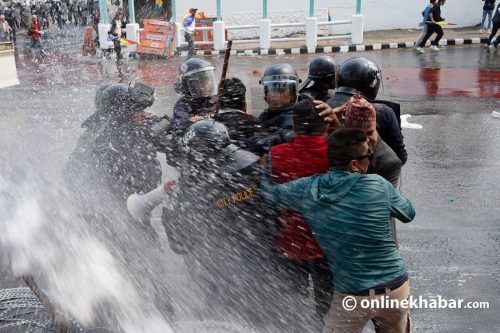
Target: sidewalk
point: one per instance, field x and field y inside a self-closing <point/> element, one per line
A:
<point x="373" y="40"/>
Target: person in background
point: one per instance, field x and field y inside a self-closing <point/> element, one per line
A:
<point x="433" y="27"/>
<point x="189" y="23"/>
<point x="488" y="7"/>
<point x="496" y="27"/>
<point x="116" y="32"/>
<point x="425" y="15"/>
<point x="35" y="32"/>
<point x="5" y="30"/>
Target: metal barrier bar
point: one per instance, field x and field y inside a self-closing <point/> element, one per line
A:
<point x="335" y="37"/>
<point x="245" y="41"/>
<point x="335" y="22"/>
<point x="284" y="25"/>
<point x="242" y="27"/>
<point x="291" y="39"/>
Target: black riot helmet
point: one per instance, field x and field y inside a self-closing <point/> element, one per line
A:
<point x="120" y="101"/>
<point x="321" y="74"/>
<point x="281" y="85"/>
<point x="359" y="75"/>
<point x="196" y="79"/>
<point x="208" y="140"/>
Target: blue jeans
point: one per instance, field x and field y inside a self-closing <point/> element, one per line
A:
<point x="488" y="12"/>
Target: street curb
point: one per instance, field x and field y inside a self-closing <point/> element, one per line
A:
<point x="338" y="49"/>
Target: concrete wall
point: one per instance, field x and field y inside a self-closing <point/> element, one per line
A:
<point x="379" y="14"/>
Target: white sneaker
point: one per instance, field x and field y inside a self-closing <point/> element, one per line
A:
<point x="481" y="31"/>
<point x="434" y="48"/>
<point x="486" y="46"/>
<point x="489" y="31"/>
<point x="420" y="50"/>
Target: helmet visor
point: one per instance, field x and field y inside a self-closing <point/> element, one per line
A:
<point x="280" y="94"/>
<point x="202" y="83"/>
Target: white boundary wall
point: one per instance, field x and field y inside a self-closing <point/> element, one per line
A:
<point x="378" y="14"/>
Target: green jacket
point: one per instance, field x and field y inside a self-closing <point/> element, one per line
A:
<point x="349" y="213"/>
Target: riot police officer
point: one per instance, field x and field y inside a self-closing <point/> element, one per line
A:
<point x="115" y="156"/>
<point x="321" y="79"/>
<point x="218" y="225"/>
<point x="281" y="92"/>
<point x="362" y="76"/>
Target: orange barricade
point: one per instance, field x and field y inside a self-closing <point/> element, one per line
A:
<point x="204" y="35"/>
<point x="88" y="42"/>
<point x="157" y="37"/>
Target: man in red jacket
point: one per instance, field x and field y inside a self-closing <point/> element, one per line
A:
<point x="301" y="255"/>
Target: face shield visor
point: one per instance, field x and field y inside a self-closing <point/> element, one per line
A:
<point x="202" y="82"/>
<point x="280" y="92"/>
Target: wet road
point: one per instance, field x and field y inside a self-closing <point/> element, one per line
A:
<point x="452" y="176"/>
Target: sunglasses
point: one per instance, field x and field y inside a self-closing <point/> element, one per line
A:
<point x="369" y="155"/>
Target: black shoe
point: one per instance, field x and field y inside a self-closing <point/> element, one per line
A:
<point x="177" y="53"/>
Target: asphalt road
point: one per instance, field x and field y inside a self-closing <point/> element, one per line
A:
<point x="452" y="248"/>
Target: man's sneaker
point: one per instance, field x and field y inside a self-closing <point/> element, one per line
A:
<point x="420" y="50"/>
<point x="434" y="48"/>
<point x="495" y="44"/>
<point x="486" y="46"/>
<point x="481" y="31"/>
<point x="489" y="31"/>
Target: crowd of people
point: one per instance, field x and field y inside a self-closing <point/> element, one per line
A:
<point x="265" y="209"/>
<point x="59" y="13"/>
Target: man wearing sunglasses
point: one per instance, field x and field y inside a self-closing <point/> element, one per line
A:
<point x="349" y="213"/>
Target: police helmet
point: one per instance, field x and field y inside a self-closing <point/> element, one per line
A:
<point x="196" y="79"/>
<point x="321" y="73"/>
<point x="209" y="139"/>
<point x="281" y="85"/>
<point x="361" y="75"/>
<point x="121" y="100"/>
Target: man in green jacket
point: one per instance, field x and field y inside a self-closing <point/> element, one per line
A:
<point x="349" y="212"/>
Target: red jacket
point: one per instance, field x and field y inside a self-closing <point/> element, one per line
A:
<point x="304" y="157"/>
<point x="36" y="27"/>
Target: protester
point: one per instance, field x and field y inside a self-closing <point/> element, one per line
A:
<point x="300" y="254"/>
<point x="488" y="7"/>
<point x="433" y="27"/>
<point x="5" y="29"/>
<point x="35" y="32"/>
<point x="116" y="33"/>
<point x="496" y="27"/>
<point x="232" y="113"/>
<point x="349" y="212"/>
<point x="425" y="15"/>
<point x="361" y="76"/>
<point x="321" y="79"/>
<point x="189" y="24"/>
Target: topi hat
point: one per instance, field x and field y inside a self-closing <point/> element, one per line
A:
<point x="360" y="113"/>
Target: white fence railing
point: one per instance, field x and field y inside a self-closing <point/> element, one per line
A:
<point x="265" y="27"/>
